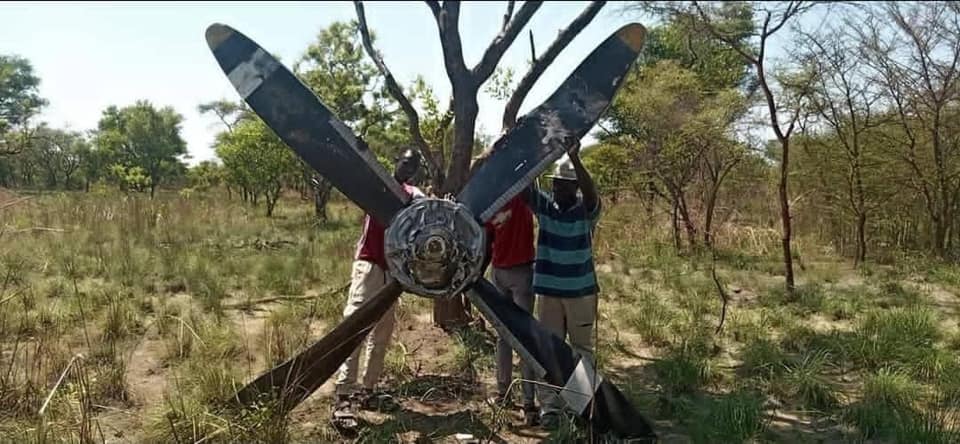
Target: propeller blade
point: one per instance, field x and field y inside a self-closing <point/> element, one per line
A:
<point x="541" y="137"/>
<point x="305" y="124"/>
<point x="295" y="380"/>
<point x="559" y="365"/>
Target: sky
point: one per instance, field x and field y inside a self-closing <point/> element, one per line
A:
<point x="90" y="55"/>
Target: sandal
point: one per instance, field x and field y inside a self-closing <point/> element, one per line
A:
<point x="379" y="402"/>
<point x="344" y="417"/>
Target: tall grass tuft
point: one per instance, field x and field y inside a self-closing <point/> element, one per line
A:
<point x="889" y="398"/>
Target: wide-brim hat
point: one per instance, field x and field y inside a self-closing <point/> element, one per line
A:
<point x="563" y="170"/>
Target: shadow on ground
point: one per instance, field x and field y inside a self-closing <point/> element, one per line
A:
<point x="687" y="418"/>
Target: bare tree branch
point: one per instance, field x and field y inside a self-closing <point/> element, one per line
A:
<point x="442" y="128"/>
<point x="724" y="299"/>
<point x="540" y="65"/>
<point x="793" y="8"/>
<point x="434" y="6"/>
<point x="730" y="42"/>
<point x="395" y="89"/>
<point x="448" y="19"/>
<point x="533" y="50"/>
<point x="507" y="16"/>
<point x="491" y="57"/>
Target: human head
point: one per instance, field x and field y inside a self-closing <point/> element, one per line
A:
<point x="407" y="165"/>
<point x="565" y="184"/>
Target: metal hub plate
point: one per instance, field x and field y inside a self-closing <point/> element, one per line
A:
<point x="434" y="247"/>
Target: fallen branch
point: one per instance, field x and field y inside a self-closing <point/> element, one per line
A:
<point x="269" y="300"/>
<point x="14" y="202"/>
<point x="48" y="229"/>
<point x="59" y="381"/>
<point x="13" y="295"/>
<point x="723" y="294"/>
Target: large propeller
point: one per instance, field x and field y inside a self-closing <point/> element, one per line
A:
<point x="301" y="120"/>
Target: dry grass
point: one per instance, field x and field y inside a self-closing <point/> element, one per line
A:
<point x="174" y="302"/>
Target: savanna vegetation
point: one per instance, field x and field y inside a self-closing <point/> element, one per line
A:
<point x="778" y="253"/>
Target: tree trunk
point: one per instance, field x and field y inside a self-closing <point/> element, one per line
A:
<point x="687" y="222"/>
<point x="948" y="239"/>
<point x="465" y="83"/>
<point x="785" y="216"/>
<point x="939" y="237"/>
<point x="153" y="189"/>
<point x="464" y="125"/>
<point x="270" y="203"/>
<point x="321" y="195"/>
<point x="708" y="216"/>
<point x="271" y="197"/>
<point x="453" y="312"/>
<point x="861" y="239"/>
<point x="675" y="223"/>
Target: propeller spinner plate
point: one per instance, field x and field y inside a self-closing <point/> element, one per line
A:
<point x="435" y="247"/>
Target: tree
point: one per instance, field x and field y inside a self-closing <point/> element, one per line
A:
<point x="19" y="101"/>
<point x="449" y="174"/>
<point x="129" y="177"/>
<point x="722" y="155"/>
<point x="143" y="136"/>
<point x="677" y="134"/>
<point x="676" y="113"/>
<point x="255" y="157"/>
<point x="93" y="164"/>
<point x="335" y="69"/>
<point x="228" y="112"/>
<point x="716" y="65"/>
<point x="651" y="115"/>
<point x="845" y="101"/>
<point x="205" y="175"/>
<point x="612" y="169"/>
<point x="59" y="154"/>
<point x="774" y="17"/>
<point x="917" y="63"/>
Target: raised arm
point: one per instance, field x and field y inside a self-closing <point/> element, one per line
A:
<point x="529" y="196"/>
<point x="589" y="189"/>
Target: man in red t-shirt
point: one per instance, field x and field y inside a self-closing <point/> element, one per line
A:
<point x="368" y="276"/>
<point x="511" y="231"/>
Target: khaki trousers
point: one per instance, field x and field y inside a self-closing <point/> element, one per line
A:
<point x="573" y="317"/>
<point x="366" y="279"/>
<point x="516" y="283"/>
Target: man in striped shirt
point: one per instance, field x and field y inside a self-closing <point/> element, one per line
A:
<point x="564" y="278"/>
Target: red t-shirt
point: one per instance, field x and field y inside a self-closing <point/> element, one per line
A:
<point x="370" y="246"/>
<point x="512" y="228"/>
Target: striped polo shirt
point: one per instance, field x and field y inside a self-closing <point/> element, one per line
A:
<point x="564" y="262"/>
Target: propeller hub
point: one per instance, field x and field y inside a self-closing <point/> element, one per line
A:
<point x="434" y="247"/>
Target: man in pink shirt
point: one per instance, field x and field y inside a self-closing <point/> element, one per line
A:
<point x="368" y="276"/>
